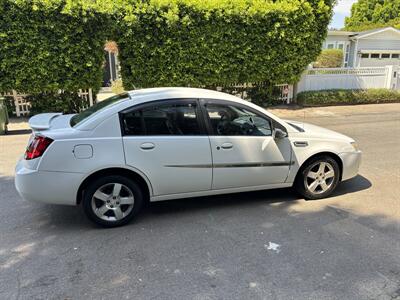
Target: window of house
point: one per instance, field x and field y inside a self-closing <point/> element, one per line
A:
<point x="395" y="55"/>
<point x="331" y="46"/>
<point x="163" y="119"/>
<point x="234" y="120"/>
<point x="385" y="55"/>
<point x="341" y="46"/>
<point x="375" y="55"/>
<point x="364" y="55"/>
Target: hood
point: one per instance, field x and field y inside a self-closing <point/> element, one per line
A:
<point x="46" y="121"/>
<point x="319" y="132"/>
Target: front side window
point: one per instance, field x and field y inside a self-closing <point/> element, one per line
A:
<point x="163" y="119"/>
<point x="234" y="120"/>
<point x="375" y="55"/>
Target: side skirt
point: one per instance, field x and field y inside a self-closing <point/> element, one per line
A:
<point x="219" y="192"/>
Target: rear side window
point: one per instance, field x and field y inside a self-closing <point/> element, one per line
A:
<point x="165" y="119"/>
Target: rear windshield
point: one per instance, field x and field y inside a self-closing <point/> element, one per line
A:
<point x="95" y="108"/>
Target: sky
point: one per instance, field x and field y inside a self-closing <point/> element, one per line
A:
<point x="342" y="9"/>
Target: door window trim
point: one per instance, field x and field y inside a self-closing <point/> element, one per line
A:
<point x="206" y="117"/>
<point x="161" y="102"/>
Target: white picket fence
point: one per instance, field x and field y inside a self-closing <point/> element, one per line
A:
<point x="22" y="105"/>
<point x="349" y="78"/>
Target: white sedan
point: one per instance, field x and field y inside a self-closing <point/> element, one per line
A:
<point x="169" y="143"/>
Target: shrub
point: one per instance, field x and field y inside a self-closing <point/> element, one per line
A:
<point x="117" y="86"/>
<point x="329" y="58"/>
<point x="44" y="47"/>
<point x="51" y="45"/>
<point x="338" y="97"/>
<point x="65" y="102"/>
<point x="219" y="43"/>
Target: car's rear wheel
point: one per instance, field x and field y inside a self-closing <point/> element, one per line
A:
<point x="318" y="178"/>
<point x="112" y="200"/>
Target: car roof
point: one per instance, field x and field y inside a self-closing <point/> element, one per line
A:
<point x="150" y="94"/>
<point x="141" y="96"/>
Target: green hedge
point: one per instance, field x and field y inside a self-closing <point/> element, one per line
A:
<point x="51" y="45"/>
<point x="45" y="47"/>
<point x="342" y="97"/>
<point x="219" y="42"/>
<point x="65" y="102"/>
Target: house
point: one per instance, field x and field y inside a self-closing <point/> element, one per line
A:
<point x="372" y="48"/>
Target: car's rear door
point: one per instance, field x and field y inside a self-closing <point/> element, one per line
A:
<point x="167" y="141"/>
<point x="244" y="152"/>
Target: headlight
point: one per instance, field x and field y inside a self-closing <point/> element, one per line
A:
<point x="355" y="146"/>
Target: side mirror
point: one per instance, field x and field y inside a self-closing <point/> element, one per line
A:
<point x="279" y="133"/>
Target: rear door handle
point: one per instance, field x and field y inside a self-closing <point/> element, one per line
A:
<point x="147" y="146"/>
<point x="227" y="146"/>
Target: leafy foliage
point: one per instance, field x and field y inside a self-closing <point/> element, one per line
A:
<point x="219" y="43"/>
<point x="51" y="45"/>
<point x="45" y="48"/>
<point x="261" y="93"/>
<point x="329" y="58"/>
<point x="337" y="97"/>
<point x="117" y="86"/>
<point x="65" y="102"/>
<point x="370" y="14"/>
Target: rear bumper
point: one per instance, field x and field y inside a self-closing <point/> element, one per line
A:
<point x="46" y="187"/>
<point x="351" y="164"/>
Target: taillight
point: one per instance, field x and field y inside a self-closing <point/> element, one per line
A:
<point x="37" y="147"/>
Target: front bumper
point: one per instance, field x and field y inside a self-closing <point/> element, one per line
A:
<point x="351" y="164"/>
<point x="45" y="186"/>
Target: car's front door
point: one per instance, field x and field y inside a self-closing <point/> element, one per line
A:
<point x="244" y="151"/>
<point x="166" y="140"/>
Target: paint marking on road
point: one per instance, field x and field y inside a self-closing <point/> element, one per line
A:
<point x="273" y="246"/>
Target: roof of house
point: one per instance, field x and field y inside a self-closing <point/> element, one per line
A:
<point x="361" y="34"/>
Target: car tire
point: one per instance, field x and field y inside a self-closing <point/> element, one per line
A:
<point x="112" y="200"/>
<point x="318" y="178"/>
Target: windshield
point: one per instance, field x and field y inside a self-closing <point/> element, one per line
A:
<point x="95" y="108"/>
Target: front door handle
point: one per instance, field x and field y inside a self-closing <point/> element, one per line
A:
<point x="227" y="146"/>
<point x="147" y="146"/>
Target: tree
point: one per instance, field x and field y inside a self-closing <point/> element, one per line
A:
<point x="370" y="14"/>
<point x="329" y="58"/>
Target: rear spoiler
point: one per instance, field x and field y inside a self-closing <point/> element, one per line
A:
<point x="42" y="121"/>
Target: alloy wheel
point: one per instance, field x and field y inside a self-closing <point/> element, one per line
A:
<point x="320" y="177"/>
<point x="112" y="201"/>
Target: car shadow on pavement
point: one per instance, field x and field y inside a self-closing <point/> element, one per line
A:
<point x="356" y="184"/>
<point x="71" y="217"/>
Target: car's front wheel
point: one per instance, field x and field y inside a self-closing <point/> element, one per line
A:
<point x="112" y="200"/>
<point x="318" y="178"/>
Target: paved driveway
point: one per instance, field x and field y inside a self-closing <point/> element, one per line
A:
<point x="260" y="245"/>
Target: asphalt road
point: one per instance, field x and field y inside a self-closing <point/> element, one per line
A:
<point x="260" y="245"/>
